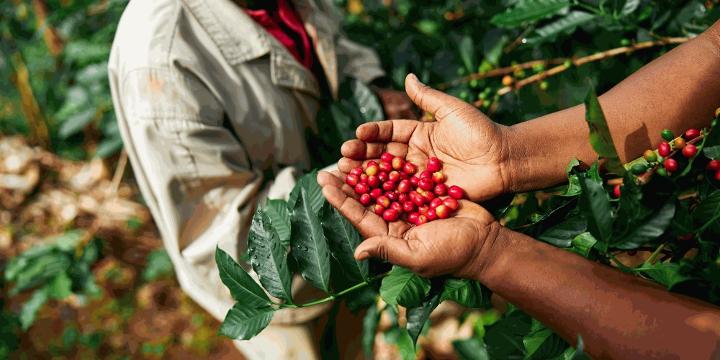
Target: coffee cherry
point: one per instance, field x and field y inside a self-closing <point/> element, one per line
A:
<point x="391" y="195"/>
<point x="689" y="150"/>
<point x="383" y="176"/>
<point x="408" y="206"/>
<point x="438" y="177"/>
<point x="378" y="209"/>
<point x="413" y="218"/>
<point x="440" y="189"/>
<point x="362" y="188"/>
<point x="452" y="203"/>
<point x="409" y="168"/>
<point x="667" y="134"/>
<point x="388" y="185"/>
<point x="398" y="163"/>
<point x="384" y="201"/>
<point x="671" y="165"/>
<point x="425" y="184"/>
<point x="364" y="178"/>
<point x="442" y="211"/>
<point x="507" y="80"/>
<point x="421" y="219"/>
<point x="428" y="195"/>
<point x="664" y="148"/>
<point x="394" y="176"/>
<point x="352" y="180"/>
<point x="403" y="198"/>
<point x="423" y="209"/>
<point x="431" y="214"/>
<point x="616" y="191"/>
<point x="386" y="166"/>
<point x="425" y="174"/>
<point x="417" y="198"/>
<point x="717" y="175"/>
<point x="434" y="164"/>
<point x="365" y="199"/>
<point x="691" y="134"/>
<point x="638" y="169"/>
<point x="357" y="171"/>
<point x="414" y="181"/>
<point x="713" y="165"/>
<point x="373" y="181"/>
<point x="436" y="202"/>
<point x="376" y="193"/>
<point x="661" y="172"/>
<point x="372" y="168"/>
<point x="387" y="157"/>
<point x="404" y="186"/>
<point x="679" y="143"/>
<point x="397" y="207"/>
<point x="650" y="156"/>
<point x="456" y="192"/>
<point x="390" y="215"/>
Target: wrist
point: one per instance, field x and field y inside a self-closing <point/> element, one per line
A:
<point x="495" y="257"/>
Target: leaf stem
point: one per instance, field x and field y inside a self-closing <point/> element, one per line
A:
<point x="334" y="296"/>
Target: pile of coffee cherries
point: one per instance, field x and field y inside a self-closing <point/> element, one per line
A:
<point x="394" y="190"/>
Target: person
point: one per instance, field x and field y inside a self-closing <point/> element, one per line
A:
<point x="618" y="316"/>
<point x="212" y="98"/>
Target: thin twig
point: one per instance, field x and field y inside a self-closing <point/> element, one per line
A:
<point x="119" y="172"/>
<point x="501" y="71"/>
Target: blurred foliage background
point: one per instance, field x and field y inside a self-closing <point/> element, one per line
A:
<point x="514" y="59"/>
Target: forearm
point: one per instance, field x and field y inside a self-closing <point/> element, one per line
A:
<point x="677" y="91"/>
<point x="617" y="315"/>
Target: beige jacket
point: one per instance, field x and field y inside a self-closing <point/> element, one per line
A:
<point x="212" y="110"/>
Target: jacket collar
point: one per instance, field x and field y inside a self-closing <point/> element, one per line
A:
<point x="247" y="41"/>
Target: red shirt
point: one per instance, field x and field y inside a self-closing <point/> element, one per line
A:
<point x="284" y="23"/>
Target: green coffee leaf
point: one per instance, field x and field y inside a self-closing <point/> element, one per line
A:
<point x="268" y="257"/>
<point x="308" y="182"/>
<point x="401" y="338"/>
<point x="417" y="317"/>
<point x="600" y="138"/>
<point x="707" y="213"/>
<point x="471" y="349"/>
<point x="343" y="239"/>
<point x="466" y="47"/>
<point x="504" y="339"/>
<point x="158" y="265"/>
<point x="529" y="11"/>
<point x="60" y="287"/>
<point x="30" y="308"/>
<point x="279" y="216"/>
<point x="665" y="273"/>
<point x="370" y="324"/>
<point x="583" y="243"/>
<point x="243" y="287"/>
<point x="594" y="204"/>
<point x="650" y="228"/>
<point x="309" y="246"/>
<point x="565" y="24"/>
<point x="403" y="287"/>
<point x="465" y="292"/>
<point x="542" y="343"/>
<point x="712" y="152"/>
<point x="243" y="322"/>
<point x="561" y="235"/>
<point x="366" y="101"/>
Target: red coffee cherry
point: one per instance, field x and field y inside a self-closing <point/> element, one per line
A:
<point x="408" y="206"/>
<point x="691" y="134"/>
<point x="362" y="188"/>
<point x="357" y="171"/>
<point x="414" y="181"/>
<point x="689" y="150"/>
<point x="425" y="174"/>
<point x="364" y="178"/>
<point x="423" y="209"/>
<point x="376" y="193"/>
<point x="398" y="163"/>
<point x="440" y="189"/>
<point x="390" y="215"/>
<point x="417" y="198"/>
<point x="365" y="199"/>
<point x="616" y="191"/>
<point x="394" y="176"/>
<point x="403" y="198"/>
<point x="456" y="192"/>
<point x="409" y="168"/>
<point x="404" y="186"/>
<point x="422" y="219"/>
<point x="431" y="215"/>
<point x="397" y="207"/>
<point x="452" y="203"/>
<point x="373" y="181"/>
<point x="384" y="201"/>
<point x="383" y="176"/>
<point x="436" y="202"/>
<point x="413" y="218"/>
<point x="438" y="177"/>
<point x="387" y="157"/>
<point x="434" y="164"/>
<point x="664" y="149"/>
<point x="670" y="165"/>
<point x="425" y="184"/>
<point x="428" y="195"/>
<point x="391" y="195"/>
<point x="442" y="211"/>
<point x="378" y="209"/>
<point x="717" y="175"/>
<point x="388" y="185"/>
<point x="713" y="165"/>
<point x="352" y="180"/>
<point x="385" y="166"/>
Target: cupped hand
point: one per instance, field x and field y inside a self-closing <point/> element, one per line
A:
<point x="472" y="147"/>
<point x="454" y="246"/>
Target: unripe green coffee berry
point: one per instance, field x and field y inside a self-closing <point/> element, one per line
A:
<point x="544" y="85"/>
<point x="638" y="169"/>
<point x="661" y="171"/>
<point x="650" y="156"/>
<point x="667" y="135"/>
<point x="473" y="83"/>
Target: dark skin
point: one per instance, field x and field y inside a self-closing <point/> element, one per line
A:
<point x="619" y="316"/>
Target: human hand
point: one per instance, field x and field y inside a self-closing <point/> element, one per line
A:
<point x="472" y="147"/>
<point x="457" y="246"/>
<point x="396" y="104"/>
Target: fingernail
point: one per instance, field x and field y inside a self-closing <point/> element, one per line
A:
<point x="414" y="77"/>
<point x="362" y="255"/>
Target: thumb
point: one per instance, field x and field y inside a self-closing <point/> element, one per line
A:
<point x="392" y="249"/>
<point x="429" y="99"/>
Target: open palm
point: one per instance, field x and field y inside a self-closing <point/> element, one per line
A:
<point x="471" y="146"/>
<point x="450" y="246"/>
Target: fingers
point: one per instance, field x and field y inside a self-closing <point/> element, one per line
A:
<point x="392" y="249"/>
<point x="360" y="150"/>
<point x="334" y="179"/>
<point x="387" y="131"/>
<point x="364" y="220"/>
<point x="429" y="99"/>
